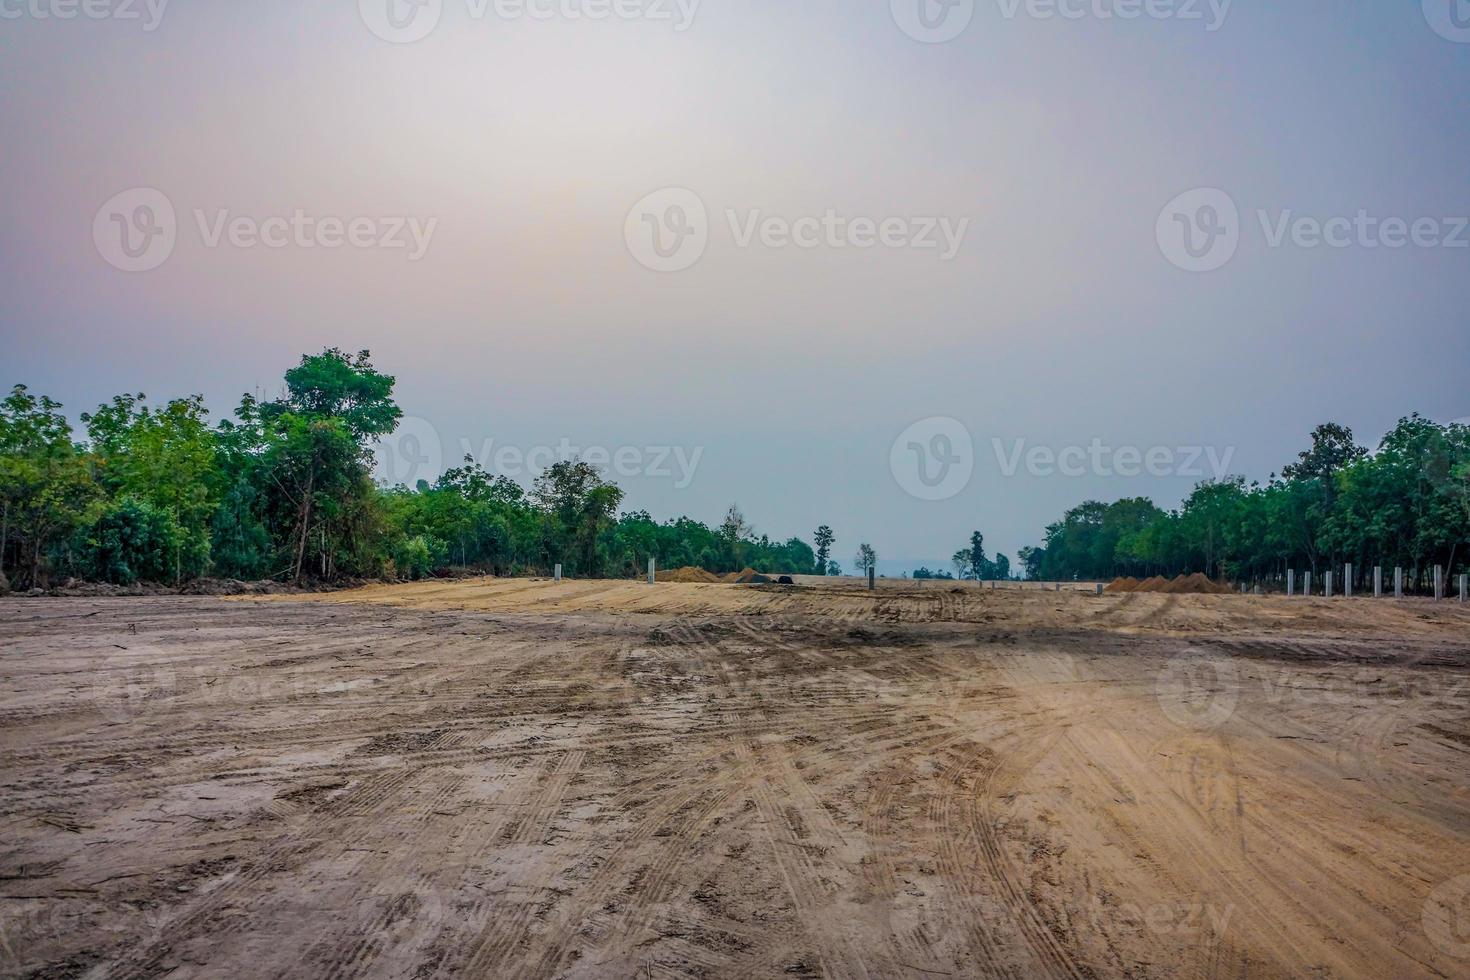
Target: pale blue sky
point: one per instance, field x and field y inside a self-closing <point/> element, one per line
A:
<point x="528" y="320"/>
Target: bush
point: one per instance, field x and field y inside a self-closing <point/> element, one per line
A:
<point x="134" y="541"/>
<point x="417" y="557"/>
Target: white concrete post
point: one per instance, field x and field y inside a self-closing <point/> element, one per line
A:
<point x="1347" y="581"/>
<point x="558" y="573"/>
<point x="652" y="572"/>
<point x="1398" y="583"/>
<point x="1438" y="583"/>
<point x="1307" y="586"/>
<point x="1328" y="586"/>
<point x="1378" y="581"/>
<point x="1290" y="582"/>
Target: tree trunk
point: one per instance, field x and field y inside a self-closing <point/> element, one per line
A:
<point x="305" y="526"/>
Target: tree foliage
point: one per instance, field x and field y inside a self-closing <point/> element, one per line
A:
<point x="283" y="490"/>
<point x="1405" y="505"/>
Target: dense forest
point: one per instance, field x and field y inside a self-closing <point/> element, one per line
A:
<point x="284" y="491"/>
<point x="1406" y="504"/>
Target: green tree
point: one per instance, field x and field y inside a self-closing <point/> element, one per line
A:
<point x="46" y="485"/>
<point x="166" y="459"/>
<point x="823" y="539"/>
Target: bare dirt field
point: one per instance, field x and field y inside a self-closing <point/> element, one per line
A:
<point x="519" y="779"/>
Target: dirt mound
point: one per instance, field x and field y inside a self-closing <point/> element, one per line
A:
<point x="688" y="574"/>
<point x="1196" y="584"/>
<point x="747" y="577"/>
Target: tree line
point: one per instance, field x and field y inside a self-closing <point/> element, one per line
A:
<point x="283" y="490"/>
<point x="1405" y="504"/>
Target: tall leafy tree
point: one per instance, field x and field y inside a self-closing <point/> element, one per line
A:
<point x="47" y="487"/>
<point x="823" y="539"/>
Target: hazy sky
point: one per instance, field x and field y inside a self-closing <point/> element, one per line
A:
<point x="811" y="383"/>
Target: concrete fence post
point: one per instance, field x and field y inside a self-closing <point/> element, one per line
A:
<point x="1290" y="582"/>
<point x="557" y="574"/>
<point x="1398" y="583"/>
<point x="652" y="572"/>
<point x="872" y="579"/>
<point x="1307" y="584"/>
<point x="1327" y="579"/>
<point x="1438" y="583"/>
<point x="1347" y="581"/>
<point x="1378" y="581"/>
<point x="1464" y="587"/>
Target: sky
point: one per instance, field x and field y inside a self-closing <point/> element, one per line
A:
<point x="902" y="267"/>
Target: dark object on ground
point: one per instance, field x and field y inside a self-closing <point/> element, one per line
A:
<point x="785" y="580"/>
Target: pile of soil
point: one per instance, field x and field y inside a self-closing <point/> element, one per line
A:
<point x="688" y="574"/>
<point x="698" y="575"/>
<point x="1195" y="584"/>
<point x="748" y="577"/>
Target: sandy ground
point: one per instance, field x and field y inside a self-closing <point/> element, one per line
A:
<point x="517" y="779"/>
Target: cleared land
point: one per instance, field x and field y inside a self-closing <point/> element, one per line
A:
<point x="511" y="778"/>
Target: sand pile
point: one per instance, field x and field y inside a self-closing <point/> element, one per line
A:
<point x="747" y="577"/>
<point x="1196" y="584"/>
<point x="688" y="574"/>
